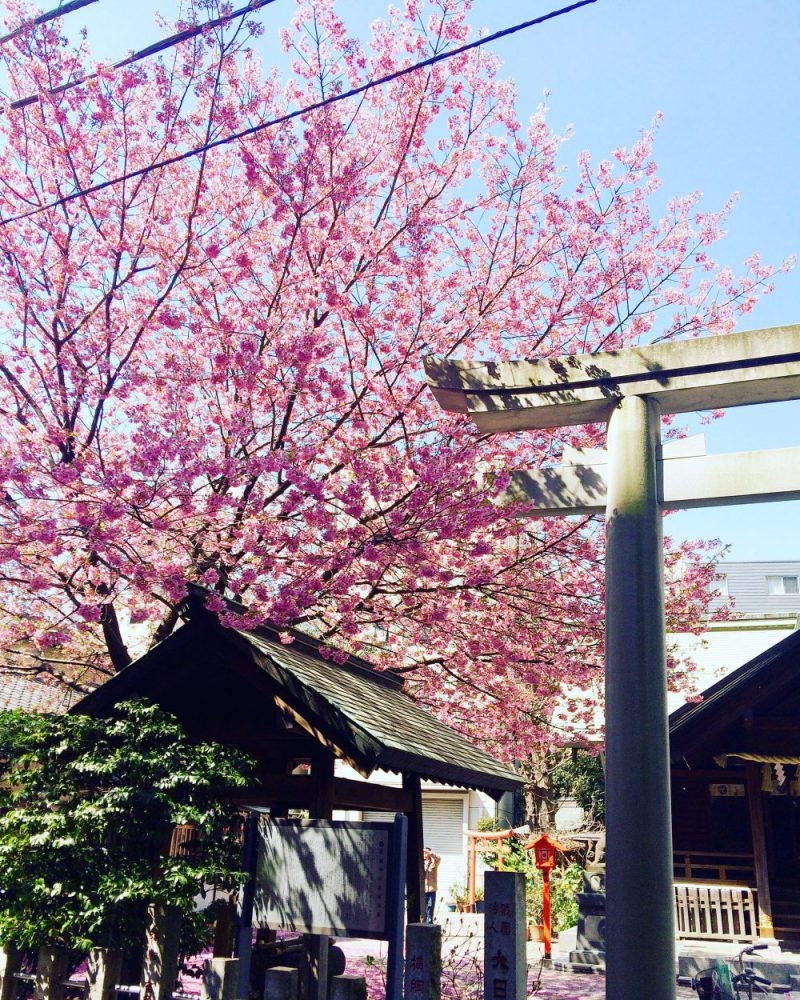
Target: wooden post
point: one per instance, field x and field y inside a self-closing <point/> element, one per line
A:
<point x="10" y="962"/>
<point x="755" y="805"/>
<point x="415" y="873"/>
<point x="322" y="767"/>
<point x="244" y="906"/>
<point x="52" y="966"/>
<point x="103" y="973"/>
<point x="322" y="797"/>
<point x="225" y="929"/>
<point x="548" y="934"/>
<point x="395" y="922"/>
<point x="161" y="952"/>
<point x="472" y="855"/>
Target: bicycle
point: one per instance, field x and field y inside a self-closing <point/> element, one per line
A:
<point x="719" y="984"/>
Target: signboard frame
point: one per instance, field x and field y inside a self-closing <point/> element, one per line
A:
<point x="300" y="846"/>
<point x="397" y="850"/>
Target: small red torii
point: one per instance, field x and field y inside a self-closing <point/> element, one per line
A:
<point x="485" y="842"/>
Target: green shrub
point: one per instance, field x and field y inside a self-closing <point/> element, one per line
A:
<point x="565" y="883"/>
<point x="86" y="809"/>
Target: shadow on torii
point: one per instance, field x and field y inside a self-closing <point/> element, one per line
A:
<point x="631" y="483"/>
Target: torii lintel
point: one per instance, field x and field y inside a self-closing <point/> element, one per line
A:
<point x="757" y="366"/>
<point x="682" y="483"/>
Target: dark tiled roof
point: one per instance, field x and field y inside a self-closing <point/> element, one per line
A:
<point x="763" y="677"/>
<point x="383" y="720"/>
<point x="34" y="694"/>
<point x="362" y="711"/>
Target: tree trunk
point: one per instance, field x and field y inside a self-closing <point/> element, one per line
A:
<point x="540" y="804"/>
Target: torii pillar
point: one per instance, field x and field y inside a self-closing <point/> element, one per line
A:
<point x="630" y="389"/>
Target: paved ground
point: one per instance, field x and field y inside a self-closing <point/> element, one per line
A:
<point x="461" y="981"/>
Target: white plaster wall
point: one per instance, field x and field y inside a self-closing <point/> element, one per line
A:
<point x="725" y="646"/>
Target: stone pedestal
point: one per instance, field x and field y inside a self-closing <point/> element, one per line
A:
<point x="162" y="943"/>
<point x="314" y="984"/>
<point x="282" y="983"/>
<point x="52" y="968"/>
<point x="506" y="970"/>
<point x="220" y="979"/>
<point x="589" y="954"/>
<point x="423" y="980"/>
<point x="346" y="987"/>
<point x="103" y="973"/>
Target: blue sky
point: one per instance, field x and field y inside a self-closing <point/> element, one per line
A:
<point x="724" y="74"/>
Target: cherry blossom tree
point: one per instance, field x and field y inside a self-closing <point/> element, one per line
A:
<point x="211" y="370"/>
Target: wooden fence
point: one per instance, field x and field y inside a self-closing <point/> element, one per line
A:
<point x="715" y="912"/>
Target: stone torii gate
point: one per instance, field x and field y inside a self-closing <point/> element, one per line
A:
<point x="632" y="483"/>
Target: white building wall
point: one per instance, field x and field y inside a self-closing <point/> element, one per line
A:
<point x="725" y="646"/>
<point x="748" y="585"/>
<point x="447" y="814"/>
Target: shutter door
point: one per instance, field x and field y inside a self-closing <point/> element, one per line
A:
<point x="370" y="816"/>
<point x="443" y="832"/>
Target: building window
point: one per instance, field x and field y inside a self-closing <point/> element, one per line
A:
<point x="719" y="588"/>
<point x="782" y="585"/>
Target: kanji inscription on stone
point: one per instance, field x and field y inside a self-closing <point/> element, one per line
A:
<point x="423" y="962"/>
<point x="505" y="966"/>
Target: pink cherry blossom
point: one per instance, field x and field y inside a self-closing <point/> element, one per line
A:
<point x="213" y="372"/>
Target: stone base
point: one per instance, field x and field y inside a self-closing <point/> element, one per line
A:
<point x="590" y="944"/>
<point x="569" y="964"/>
<point x="584" y="950"/>
<point x="570" y="957"/>
<point x="782" y="968"/>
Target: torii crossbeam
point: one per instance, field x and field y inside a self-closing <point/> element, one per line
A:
<point x="632" y="483"/>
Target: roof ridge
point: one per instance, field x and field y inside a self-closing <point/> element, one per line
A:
<point x="726" y="685"/>
<point x="195" y="602"/>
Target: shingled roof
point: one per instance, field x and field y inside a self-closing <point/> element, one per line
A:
<point x="34" y="694"/>
<point x="770" y="680"/>
<point x="362" y="712"/>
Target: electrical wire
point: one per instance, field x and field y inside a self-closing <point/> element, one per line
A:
<point x="254" y="129"/>
<point x="49" y="15"/>
<point x="150" y="50"/>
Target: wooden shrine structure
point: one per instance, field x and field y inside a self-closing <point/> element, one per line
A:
<point x="736" y="803"/>
<point x="296" y="713"/>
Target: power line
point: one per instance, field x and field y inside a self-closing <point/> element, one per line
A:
<point x="150" y="50"/>
<point x="254" y="129"/>
<point x="49" y="15"/>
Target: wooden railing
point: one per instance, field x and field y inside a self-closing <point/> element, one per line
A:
<point x="715" y="912"/>
<point x="183" y="841"/>
<point x="713" y="866"/>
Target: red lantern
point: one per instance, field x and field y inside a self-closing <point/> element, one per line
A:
<point x="545" y="851"/>
<point x="544" y="855"/>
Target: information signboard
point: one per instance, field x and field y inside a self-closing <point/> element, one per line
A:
<point x="327" y="877"/>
